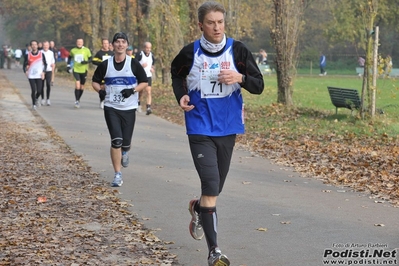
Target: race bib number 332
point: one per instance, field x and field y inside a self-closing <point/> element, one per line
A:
<point x="115" y="96"/>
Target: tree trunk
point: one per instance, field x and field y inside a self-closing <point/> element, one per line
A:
<point x="166" y="81"/>
<point x="143" y="10"/>
<point x="95" y="20"/>
<point x="374" y="84"/>
<point x="285" y="32"/>
<point x="105" y="18"/>
<point x="284" y="87"/>
<point x="366" y="88"/>
<point x="194" y="31"/>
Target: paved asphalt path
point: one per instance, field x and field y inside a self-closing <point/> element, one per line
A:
<point x="301" y="219"/>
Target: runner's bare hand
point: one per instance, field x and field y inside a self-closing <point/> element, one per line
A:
<point x="184" y="103"/>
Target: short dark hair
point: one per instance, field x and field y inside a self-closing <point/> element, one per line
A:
<point x="120" y="35"/>
<point x="207" y="7"/>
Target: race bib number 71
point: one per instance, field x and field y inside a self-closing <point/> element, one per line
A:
<point x="211" y="87"/>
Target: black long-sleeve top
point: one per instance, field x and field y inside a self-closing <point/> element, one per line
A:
<point x="98" y="57"/>
<point x="243" y="60"/>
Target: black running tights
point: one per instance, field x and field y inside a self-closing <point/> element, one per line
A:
<point x="47" y="81"/>
<point x="36" y="89"/>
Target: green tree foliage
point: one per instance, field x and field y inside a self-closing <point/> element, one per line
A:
<point x="166" y="34"/>
<point x="331" y="26"/>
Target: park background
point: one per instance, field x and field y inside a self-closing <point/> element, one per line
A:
<point x="335" y="28"/>
<point x="308" y="135"/>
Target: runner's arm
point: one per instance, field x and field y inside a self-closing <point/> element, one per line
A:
<point x="247" y="66"/>
<point x="97" y="59"/>
<point x="25" y="63"/>
<point x="180" y="68"/>
<point x="139" y="72"/>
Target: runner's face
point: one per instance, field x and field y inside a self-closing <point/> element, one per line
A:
<point x="147" y="48"/>
<point x="79" y="43"/>
<point x="46" y="46"/>
<point x="120" y="46"/>
<point x="34" y="46"/>
<point x="105" y="45"/>
<point x="213" y="27"/>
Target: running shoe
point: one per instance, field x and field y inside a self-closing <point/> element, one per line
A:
<point x="149" y="111"/>
<point x="125" y="159"/>
<point x="117" y="180"/>
<point x="48" y="102"/>
<point x="34" y="107"/>
<point x="195" y="225"/>
<point x="77" y="105"/>
<point x="43" y="102"/>
<point x="216" y="258"/>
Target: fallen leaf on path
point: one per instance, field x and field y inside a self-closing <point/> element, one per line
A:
<point x="41" y="199"/>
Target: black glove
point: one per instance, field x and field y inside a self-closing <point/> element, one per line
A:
<point x="126" y="93"/>
<point x="69" y="69"/>
<point x="102" y="94"/>
<point x="84" y="62"/>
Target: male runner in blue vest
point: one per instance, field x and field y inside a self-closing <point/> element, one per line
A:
<point x="207" y="77"/>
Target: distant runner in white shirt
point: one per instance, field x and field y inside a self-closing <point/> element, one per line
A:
<point x="17" y="55"/>
<point x="147" y="60"/>
<point x="48" y="73"/>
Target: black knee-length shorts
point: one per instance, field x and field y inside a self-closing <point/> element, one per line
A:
<point x="120" y="125"/>
<point x="212" y="157"/>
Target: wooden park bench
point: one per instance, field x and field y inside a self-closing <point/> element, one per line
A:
<point x="344" y="98"/>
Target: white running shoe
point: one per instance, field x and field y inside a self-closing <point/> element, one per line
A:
<point x="216" y="258"/>
<point x="125" y="159"/>
<point x="48" y="102"/>
<point x="43" y="102"/>
<point x="117" y="182"/>
<point x="77" y="105"/>
<point x="195" y="226"/>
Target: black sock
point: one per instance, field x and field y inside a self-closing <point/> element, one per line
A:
<point x="76" y="94"/>
<point x="209" y="221"/>
<point x="80" y="94"/>
<point x="197" y="206"/>
<point x="148" y="105"/>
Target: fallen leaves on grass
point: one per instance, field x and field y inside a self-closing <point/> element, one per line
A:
<point x="363" y="163"/>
